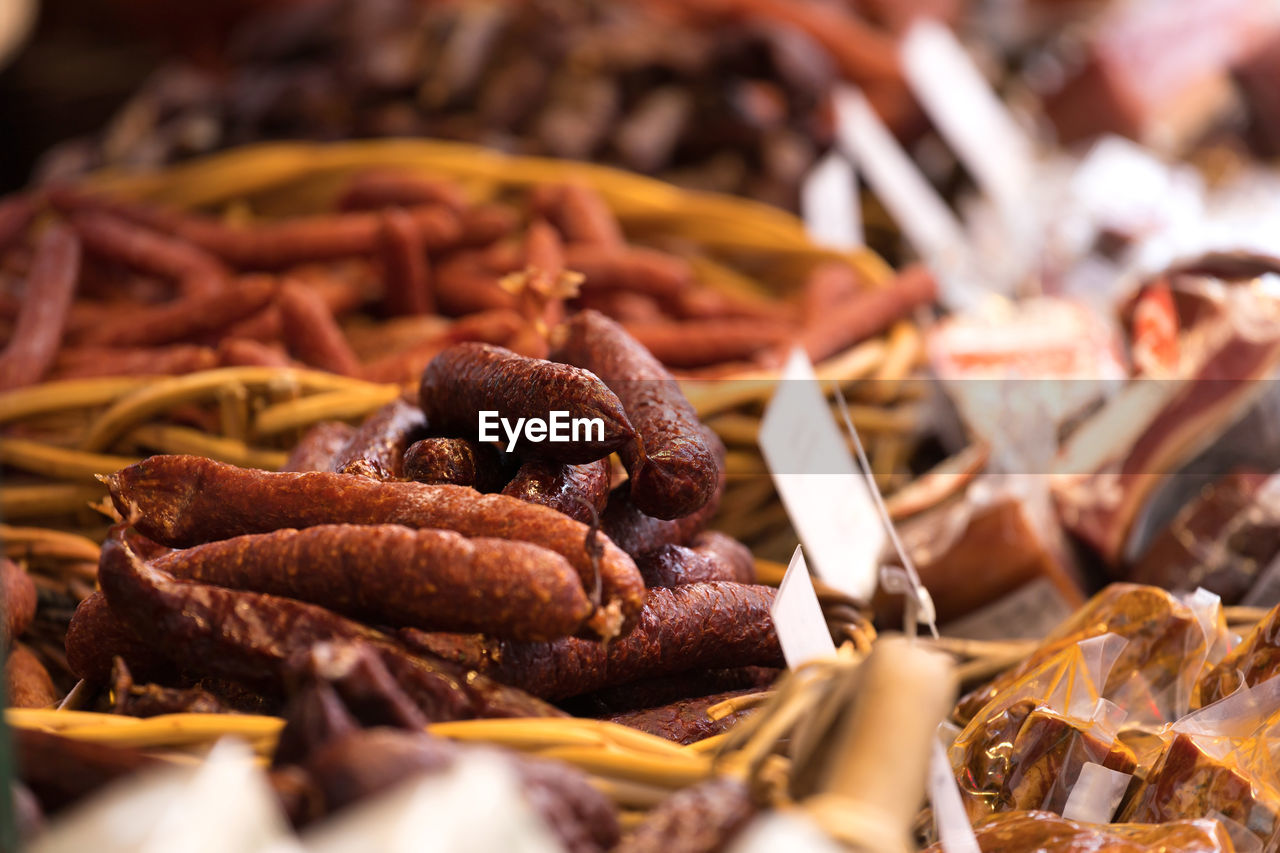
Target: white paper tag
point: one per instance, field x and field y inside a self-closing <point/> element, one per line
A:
<point x="968" y="114"/>
<point x="1096" y="794"/>
<point x="955" y="833"/>
<point x="797" y="616"/>
<point x="821" y="488"/>
<point x="829" y="202"/>
<point x="914" y="205"/>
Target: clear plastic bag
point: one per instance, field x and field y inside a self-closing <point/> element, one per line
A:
<point x="1026" y="748"/>
<point x="1046" y="832"/>
<point x="1255" y="660"/>
<point x="1171" y="639"/>
<point x="1220" y="761"/>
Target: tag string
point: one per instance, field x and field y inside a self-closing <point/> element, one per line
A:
<point x="907" y="564"/>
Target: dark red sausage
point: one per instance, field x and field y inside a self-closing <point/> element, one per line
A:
<point x="51" y="285"/>
<point x="404" y="266"/>
<point x="638" y="534"/>
<point x="392" y="575"/>
<point x="319" y="447"/>
<point x="249" y="637"/>
<point x="96" y="637"/>
<point x="27" y="681"/>
<point x="377" y="449"/>
<point x="675" y="565"/>
<point x="684" y="721"/>
<point x="187" y="500"/>
<point x="469" y="378"/>
<point x="184" y="318"/>
<point x="673" y="470"/>
<point x="578" y="491"/>
<point x="703" y="818"/>
<point x="697" y="626"/>
<point x="455" y="461"/>
<point x="17" y="600"/>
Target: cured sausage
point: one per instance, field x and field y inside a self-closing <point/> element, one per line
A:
<point x="455" y="461"/>
<point x="684" y="721"/>
<point x="319" y="447"/>
<point x="578" y="491"/>
<point x="469" y="378"/>
<point x="187" y="500"/>
<point x="673" y="469"/>
<point x="249" y="637"/>
<point x="28" y="682"/>
<point x="392" y="575"/>
<point x="17" y="601"/>
<point x="377" y="448"/>
<point x="51" y="284"/>
<point x="696" y="626"/>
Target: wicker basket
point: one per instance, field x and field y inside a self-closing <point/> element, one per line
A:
<point x="74" y="430"/>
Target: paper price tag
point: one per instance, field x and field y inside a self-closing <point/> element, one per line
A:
<point x="969" y="115"/>
<point x="949" y="817"/>
<point x="916" y="208"/>
<point x="829" y="201"/>
<point x="797" y="616"/>
<point x="820" y="485"/>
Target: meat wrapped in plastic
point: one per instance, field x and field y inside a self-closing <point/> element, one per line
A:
<point x="1027" y="747"/>
<point x="1046" y="832"/>
<point x="1171" y="639"/>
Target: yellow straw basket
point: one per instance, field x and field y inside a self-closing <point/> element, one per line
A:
<point x="71" y="431"/>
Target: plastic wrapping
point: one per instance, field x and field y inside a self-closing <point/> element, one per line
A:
<point x="1254" y="660"/>
<point x="1219" y="762"/>
<point x="1045" y="832"/>
<point x="1170" y="641"/>
<point x="1026" y="748"/>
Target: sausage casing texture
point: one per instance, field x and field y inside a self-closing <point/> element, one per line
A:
<point x="96" y="637"/>
<point x="455" y="461"/>
<point x="684" y="721"/>
<point x="469" y="378"/>
<point x="187" y="500"/>
<point x="675" y="565"/>
<point x="393" y="575"/>
<point x="653" y="692"/>
<point x="27" y="681"/>
<point x="250" y="637"/>
<point x="575" y="490"/>
<point x="319" y="447"/>
<point x="51" y="284"/>
<point x="638" y="533"/>
<point x="696" y="626"/>
<point x="17" y="601"/>
<point x="376" y="450"/>
<point x="702" y="818"/>
<point x="673" y="470"/>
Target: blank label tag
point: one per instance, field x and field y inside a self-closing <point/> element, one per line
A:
<point x="797" y="616"/>
<point x="820" y="485"/>
<point x="965" y="109"/>
<point x="829" y="200"/>
<point x="915" y="206"/>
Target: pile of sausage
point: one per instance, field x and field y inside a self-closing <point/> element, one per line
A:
<point x="92" y="286"/>
<point x="486" y="582"/>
